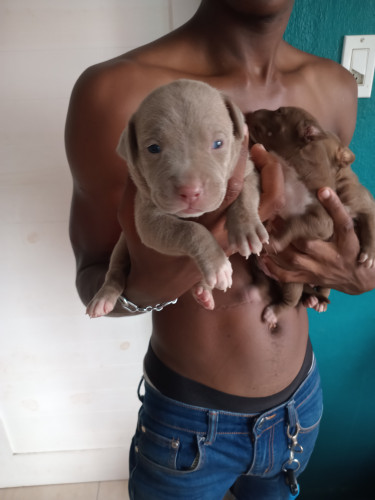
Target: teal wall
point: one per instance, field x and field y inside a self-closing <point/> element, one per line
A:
<point x="343" y="463"/>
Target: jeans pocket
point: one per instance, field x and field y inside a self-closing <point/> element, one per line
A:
<point x="310" y="410"/>
<point x="177" y="452"/>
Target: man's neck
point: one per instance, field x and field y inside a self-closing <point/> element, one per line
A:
<point x="232" y="39"/>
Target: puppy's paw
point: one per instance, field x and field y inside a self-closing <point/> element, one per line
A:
<point x="274" y="245"/>
<point x="224" y="276"/>
<point x="367" y="259"/>
<point x="269" y="316"/>
<point x="310" y="301"/>
<point x="321" y="307"/>
<point x="218" y="276"/>
<point x="101" y="304"/>
<point x="249" y="240"/>
<point x="313" y="302"/>
<point x="203" y="295"/>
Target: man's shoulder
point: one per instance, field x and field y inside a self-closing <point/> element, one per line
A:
<point x="123" y="72"/>
<point x="122" y="82"/>
<point x="320" y="70"/>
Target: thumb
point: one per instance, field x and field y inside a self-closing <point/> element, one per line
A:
<point x="342" y="221"/>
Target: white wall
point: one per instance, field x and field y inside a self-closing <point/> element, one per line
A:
<point x="67" y="384"/>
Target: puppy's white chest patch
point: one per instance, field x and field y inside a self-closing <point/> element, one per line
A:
<point x="297" y="195"/>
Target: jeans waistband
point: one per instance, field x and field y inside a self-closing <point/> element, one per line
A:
<point x="161" y="407"/>
<point x="177" y="387"/>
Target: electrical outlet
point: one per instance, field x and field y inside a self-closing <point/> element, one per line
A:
<point x="358" y="56"/>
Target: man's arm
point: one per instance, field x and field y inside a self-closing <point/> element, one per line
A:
<point x="98" y="175"/>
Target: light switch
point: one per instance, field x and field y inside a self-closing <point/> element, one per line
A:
<point x="358" y="56"/>
<point x="358" y="64"/>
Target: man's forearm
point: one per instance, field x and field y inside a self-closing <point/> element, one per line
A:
<point x="88" y="282"/>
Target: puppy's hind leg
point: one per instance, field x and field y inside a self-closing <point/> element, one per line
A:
<point x="366" y="233"/>
<point x="115" y="280"/>
<point x="291" y="294"/>
<point x="202" y="293"/>
<point x="316" y="297"/>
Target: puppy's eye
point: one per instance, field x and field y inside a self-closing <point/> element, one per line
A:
<point x="154" y="149"/>
<point x="217" y="144"/>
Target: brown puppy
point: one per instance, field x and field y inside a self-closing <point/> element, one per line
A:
<point x="311" y="159"/>
<point x="181" y="147"/>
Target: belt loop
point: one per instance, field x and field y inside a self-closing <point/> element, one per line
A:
<point x="213" y="418"/>
<point x="140" y="396"/>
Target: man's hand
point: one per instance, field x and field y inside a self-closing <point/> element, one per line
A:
<point x="332" y="264"/>
<point x="272" y="198"/>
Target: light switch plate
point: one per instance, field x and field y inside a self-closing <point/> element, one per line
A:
<point x="358" y="56"/>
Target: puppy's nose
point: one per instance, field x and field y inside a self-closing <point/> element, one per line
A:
<point x="189" y="193"/>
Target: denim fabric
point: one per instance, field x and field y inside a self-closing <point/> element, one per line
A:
<point x="183" y="452"/>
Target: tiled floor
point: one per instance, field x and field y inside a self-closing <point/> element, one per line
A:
<point x="112" y="490"/>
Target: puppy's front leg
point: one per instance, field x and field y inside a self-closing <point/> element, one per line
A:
<point x="170" y="235"/>
<point x="314" y="224"/>
<point x="291" y="294"/>
<point x="105" y="299"/>
<point x="361" y="206"/>
<point x="366" y="230"/>
<point x="246" y="233"/>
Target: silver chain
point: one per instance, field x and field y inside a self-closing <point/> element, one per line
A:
<point x="132" y="308"/>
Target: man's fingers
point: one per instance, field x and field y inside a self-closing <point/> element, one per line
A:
<point x="342" y="221"/>
<point x="290" y="266"/>
<point x="272" y="180"/>
<point x="260" y="156"/>
<point x="274" y="270"/>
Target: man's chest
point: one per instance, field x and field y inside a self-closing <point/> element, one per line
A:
<point x="283" y="92"/>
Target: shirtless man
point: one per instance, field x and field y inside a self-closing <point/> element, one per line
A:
<point x="228" y="403"/>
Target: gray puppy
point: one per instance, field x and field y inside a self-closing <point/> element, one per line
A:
<point x="181" y="147"/>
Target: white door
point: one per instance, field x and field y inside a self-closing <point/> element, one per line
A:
<point x="68" y="401"/>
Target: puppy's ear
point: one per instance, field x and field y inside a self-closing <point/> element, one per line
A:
<point x="236" y="116"/>
<point x="127" y="147"/>
<point x="308" y="130"/>
<point x="345" y="156"/>
<point x="128" y="150"/>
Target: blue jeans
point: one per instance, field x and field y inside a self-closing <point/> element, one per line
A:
<point x="183" y="452"/>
